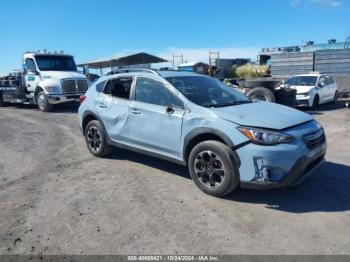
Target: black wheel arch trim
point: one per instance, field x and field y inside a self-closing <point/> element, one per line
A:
<point x="37" y="90"/>
<point x="211" y="131"/>
<point x="90" y="113"/>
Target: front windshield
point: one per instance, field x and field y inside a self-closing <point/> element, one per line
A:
<point x="302" y="81"/>
<point x="207" y="91"/>
<point x="55" y="63"/>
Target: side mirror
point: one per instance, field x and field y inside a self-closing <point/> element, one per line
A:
<point x="321" y="84"/>
<point x="24" y="67"/>
<point x="169" y="110"/>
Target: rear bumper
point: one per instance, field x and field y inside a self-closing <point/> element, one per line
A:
<point x="303" y="168"/>
<point x="63" y="98"/>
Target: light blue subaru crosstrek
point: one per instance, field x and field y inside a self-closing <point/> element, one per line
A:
<point x="225" y="140"/>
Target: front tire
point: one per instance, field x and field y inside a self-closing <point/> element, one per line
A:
<point x="316" y="102"/>
<point x="96" y="139"/>
<point x="43" y="102"/>
<point x="335" y="98"/>
<point x="213" y="168"/>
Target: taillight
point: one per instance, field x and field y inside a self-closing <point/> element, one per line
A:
<point x="82" y="98"/>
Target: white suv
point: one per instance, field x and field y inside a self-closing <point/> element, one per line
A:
<point x="313" y="89"/>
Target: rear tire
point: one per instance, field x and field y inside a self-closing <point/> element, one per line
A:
<point x="261" y="94"/>
<point x="213" y="168"/>
<point x="43" y="102"/>
<point x="96" y="139"/>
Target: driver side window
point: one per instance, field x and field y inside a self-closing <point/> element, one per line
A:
<point x="322" y="81"/>
<point x="30" y="65"/>
<point x="154" y="92"/>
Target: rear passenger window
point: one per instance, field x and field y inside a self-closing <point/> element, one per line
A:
<point x="100" y="86"/>
<point x="119" y="87"/>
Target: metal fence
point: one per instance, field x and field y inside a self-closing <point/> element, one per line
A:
<point x="334" y="62"/>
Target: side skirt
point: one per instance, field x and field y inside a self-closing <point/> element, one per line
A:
<point x="145" y="152"/>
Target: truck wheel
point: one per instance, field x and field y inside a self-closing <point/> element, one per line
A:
<point x="261" y="94"/>
<point x="213" y="168"/>
<point x="43" y="102"/>
<point x="1" y="100"/>
<point x="96" y="139"/>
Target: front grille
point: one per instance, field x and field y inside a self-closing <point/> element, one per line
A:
<point x="69" y="86"/>
<point x="314" y="139"/>
<point x="82" y="85"/>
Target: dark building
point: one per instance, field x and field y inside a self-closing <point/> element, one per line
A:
<point x="201" y="68"/>
<point x="226" y="66"/>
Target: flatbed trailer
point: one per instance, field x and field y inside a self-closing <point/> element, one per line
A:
<point x="268" y="89"/>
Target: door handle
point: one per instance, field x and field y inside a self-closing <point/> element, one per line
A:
<point x="102" y="105"/>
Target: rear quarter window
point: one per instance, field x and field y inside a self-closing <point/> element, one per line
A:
<point x="100" y="86"/>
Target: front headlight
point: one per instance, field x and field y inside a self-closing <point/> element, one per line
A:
<point x="52" y="89"/>
<point x="304" y="94"/>
<point x="265" y="137"/>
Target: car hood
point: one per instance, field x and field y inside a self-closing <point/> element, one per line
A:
<point x="61" y="74"/>
<point x="263" y="114"/>
<point x="302" y="89"/>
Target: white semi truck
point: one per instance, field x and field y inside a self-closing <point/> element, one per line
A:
<point x="45" y="80"/>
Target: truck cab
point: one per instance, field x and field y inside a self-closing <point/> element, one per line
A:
<point x="46" y="79"/>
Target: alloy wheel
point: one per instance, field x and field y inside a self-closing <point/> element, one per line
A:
<point x="94" y="139"/>
<point x="209" y="169"/>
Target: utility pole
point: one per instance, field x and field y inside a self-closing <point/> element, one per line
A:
<point x="213" y="57"/>
<point x="181" y="57"/>
<point x="347" y="43"/>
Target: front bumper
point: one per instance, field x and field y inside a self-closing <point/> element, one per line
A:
<point x="283" y="164"/>
<point x="302" y="169"/>
<point x="63" y="98"/>
<point x="303" y="101"/>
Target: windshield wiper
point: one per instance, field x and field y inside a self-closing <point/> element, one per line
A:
<point x="233" y="103"/>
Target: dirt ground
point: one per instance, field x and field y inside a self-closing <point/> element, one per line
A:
<point x="55" y="198"/>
